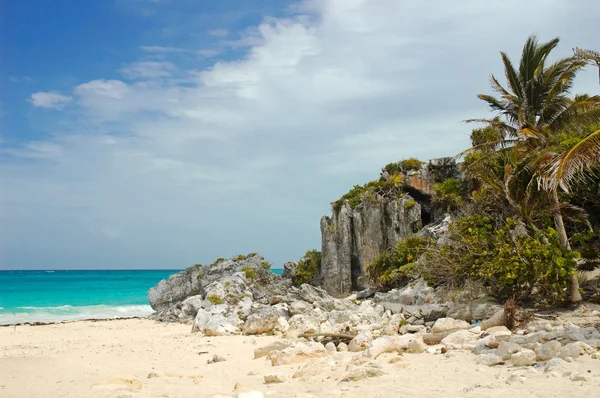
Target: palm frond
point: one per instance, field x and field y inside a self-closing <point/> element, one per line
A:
<point x="573" y="164"/>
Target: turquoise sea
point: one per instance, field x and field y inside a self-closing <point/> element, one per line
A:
<point x="50" y="296"/>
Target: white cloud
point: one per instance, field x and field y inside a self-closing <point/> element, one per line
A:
<point x="49" y="100"/>
<point x="163" y="50"/>
<point x="189" y="165"/>
<point x="148" y="70"/>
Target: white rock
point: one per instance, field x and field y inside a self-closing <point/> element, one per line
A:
<point x="277" y="345"/>
<point x="330" y="347"/>
<point x="393" y="325"/>
<point x="265" y="320"/>
<point x="360" y="343"/>
<point x="506" y="349"/>
<point x="342" y="347"/>
<point x="554" y="364"/>
<point x="500" y="333"/>
<point x="448" y="324"/>
<point x="569" y="350"/>
<point x="524" y="357"/>
<point x="415" y="329"/>
<point x="417" y="345"/>
<point x="304" y="323"/>
<point x="297" y="353"/>
<point x="459" y="340"/>
<point x="216" y="321"/>
<point x="548" y="350"/>
<point x="490" y="359"/>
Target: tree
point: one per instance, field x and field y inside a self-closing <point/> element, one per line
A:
<point x="534" y="107"/>
<point x="591" y="56"/>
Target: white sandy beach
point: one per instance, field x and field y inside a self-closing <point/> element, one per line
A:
<point x="95" y="359"/>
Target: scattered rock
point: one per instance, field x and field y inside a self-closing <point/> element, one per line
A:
<point x="265" y="320"/>
<point x="275" y="378"/>
<point x="297" y="353"/>
<point x="548" y="350"/>
<point x="360" y="374"/>
<point x="330" y="347"/>
<point x="238" y="386"/>
<point x="570" y="350"/>
<point x="368" y="292"/>
<point x="507" y="349"/>
<point x="554" y="364"/>
<point x="490" y="359"/>
<point x="342" y="347"/>
<point x="448" y="324"/>
<point x="524" y="357"/>
<point x="459" y="340"/>
<point x="277" y="345"/>
<point x="360" y="343"/>
<point x="216" y="358"/>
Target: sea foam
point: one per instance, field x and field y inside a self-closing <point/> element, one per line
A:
<point x="72" y="313"/>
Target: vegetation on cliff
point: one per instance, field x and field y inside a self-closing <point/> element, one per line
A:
<point x="529" y="204"/>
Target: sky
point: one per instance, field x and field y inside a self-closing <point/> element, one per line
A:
<point x="164" y="133"/>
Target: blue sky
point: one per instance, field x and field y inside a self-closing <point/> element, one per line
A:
<point x="163" y="133"/>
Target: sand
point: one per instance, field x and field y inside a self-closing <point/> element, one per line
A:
<point x="114" y="359"/>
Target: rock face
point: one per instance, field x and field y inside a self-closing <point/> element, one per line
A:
<point x="353" y="237"/>
<point x="237" y="282"/>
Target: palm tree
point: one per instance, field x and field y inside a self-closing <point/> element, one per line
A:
<point x="534" y="107"/>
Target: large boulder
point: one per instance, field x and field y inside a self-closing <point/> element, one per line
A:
<point x="228" y="281"/>
<point x="216" y="320"/>
<point x="266" y="320"/>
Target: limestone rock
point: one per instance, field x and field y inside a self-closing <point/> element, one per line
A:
<point x="304" y="323"/>
<point x="216" y="321"/>
<point x="554" y="364"/>
<point x="570" y="350"/>
<point x="524" y="357"/>
<point x="289" y="269"/>
<point x="416" y="293"/>
<point x="360" y="343"/>
<point x="297" y="353"/>
<point x="277" y="345"/>
<point x="330" y="347"/>
<point x="448" y="324"/>
<point x="366" y="293"/>
<point x="342" y="347"/>
<point x="314" y="368"/>
<point x="275" y="378"/>
<point x="548" y="350"/>
<point x="490" y="359"/>
<point x="300" y="307"/>
<point x="361" y="374"/>
<point x="393" y="325"/>
<point x="459" y="340"/>
<point x="506" y="349"/>
<point x="265" y="320"/>
<point x="353" y="237"/>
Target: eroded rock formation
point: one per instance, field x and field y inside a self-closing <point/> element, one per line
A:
<point x="353" y="237"/>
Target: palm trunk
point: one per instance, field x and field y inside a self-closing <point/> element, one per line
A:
<point x="564" y="244"/>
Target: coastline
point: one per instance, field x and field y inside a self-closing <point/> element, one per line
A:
<point x="145" y="358"/>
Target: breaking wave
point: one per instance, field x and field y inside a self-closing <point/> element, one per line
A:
<point x="71" y="313"/>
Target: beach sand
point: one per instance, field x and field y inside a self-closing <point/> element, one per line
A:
<point x="114" y="359"/>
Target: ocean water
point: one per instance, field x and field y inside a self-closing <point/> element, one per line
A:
<point x="51" y="296"/>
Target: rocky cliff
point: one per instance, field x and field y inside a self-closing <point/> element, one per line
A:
<point x="354" y="235"/>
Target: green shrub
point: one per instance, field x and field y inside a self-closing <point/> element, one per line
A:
<point x="392" y="188"/>
<point x="449" y="193"/>
<point x="409" y="204"/>
<point x="410" y="164"/>
<point x="253" y="254"/>
<point x="266" y="265"/>
<point x="250" y="272"/>
<point x="200" y="275"/>
<point x="395" y="267"/>
<point x="215" y="299"/>
<point x="511" y="261"/>
<point x="239" y="257"/>
<point x="307" y="267"/>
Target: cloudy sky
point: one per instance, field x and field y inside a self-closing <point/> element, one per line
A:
<point x="163" y="133"/>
